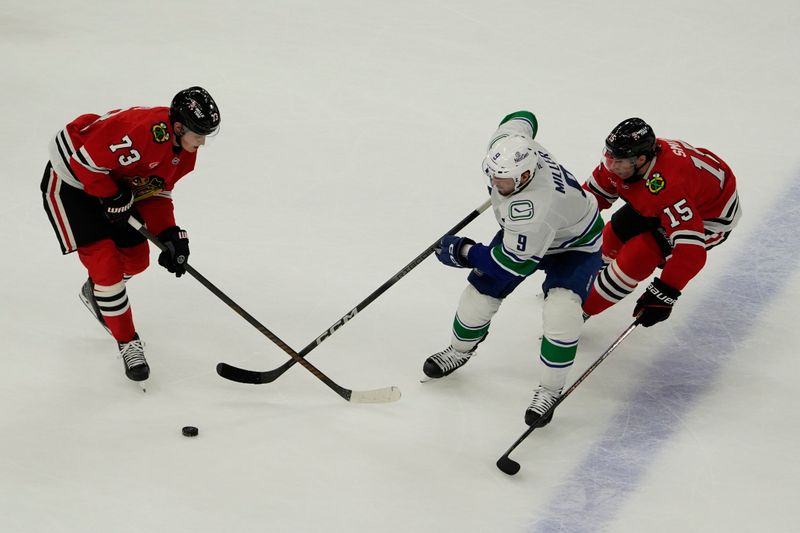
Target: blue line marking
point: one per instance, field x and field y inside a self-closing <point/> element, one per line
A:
<point x="599" y="486"/>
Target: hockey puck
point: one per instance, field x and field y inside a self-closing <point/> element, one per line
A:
<point x="190" y="431"/>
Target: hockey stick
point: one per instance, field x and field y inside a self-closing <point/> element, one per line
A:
<point x="510" y="466"/>
<point x="387" y="394"/>
<point x="255" y="377"/>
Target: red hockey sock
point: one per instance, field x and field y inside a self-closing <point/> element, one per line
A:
<point x="116" y="310"/>
<point x="105" y="265"/>
<point x="636" y="260"/>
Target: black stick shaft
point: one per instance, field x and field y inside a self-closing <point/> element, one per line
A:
<point x="341" y="391"/>
<point x="254" y="376"/>
<point x="572" y="388"/>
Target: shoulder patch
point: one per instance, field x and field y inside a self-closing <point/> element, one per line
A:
<point x="656" y="183"/>
<point x="520" y="210"/>
<point x="160" y="132"/>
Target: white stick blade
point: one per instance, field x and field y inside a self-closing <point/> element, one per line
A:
<point x="385" y="395"/>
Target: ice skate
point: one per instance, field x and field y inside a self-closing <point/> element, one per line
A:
<point x="132" y="354"/>
<point x="86" y="295"/>
<point x="445" y="362"/>
<point x="543" y="400"/>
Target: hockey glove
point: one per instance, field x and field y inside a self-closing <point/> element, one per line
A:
<point x="448" y="251"/>
<point x="176" y="241"/>
<point x="118" y="207"/>
<point x="656" y="303"/>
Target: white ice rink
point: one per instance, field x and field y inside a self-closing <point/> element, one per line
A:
<point x="352" y="138"/>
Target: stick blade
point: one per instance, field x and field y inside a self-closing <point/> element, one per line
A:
<point x="240" y="375"/>
<point x="508" y="465"/>
<point x="385" y="395"/>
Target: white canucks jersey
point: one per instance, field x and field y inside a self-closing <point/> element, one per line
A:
<point x="551" y="214"/>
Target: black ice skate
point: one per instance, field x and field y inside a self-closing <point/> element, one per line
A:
<point x="132" y="353"/>
<point x="445" y="362"/>
<point x="543" y="400"/>
<point x="87" y="297"/>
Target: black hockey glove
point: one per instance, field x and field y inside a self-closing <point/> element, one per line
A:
<point x="118" y="207"/>
<point x="656" y="303"/>
<point x="174" y="258"/>
<point x="448" y="251"/>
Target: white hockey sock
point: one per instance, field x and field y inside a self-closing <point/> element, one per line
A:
<point x="562" y="321"/>
<point x="473" y="316"/>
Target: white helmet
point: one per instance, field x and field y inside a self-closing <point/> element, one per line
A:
<point x="511" y="157"/>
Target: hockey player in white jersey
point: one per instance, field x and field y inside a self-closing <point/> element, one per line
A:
<point x="548" y="223"/>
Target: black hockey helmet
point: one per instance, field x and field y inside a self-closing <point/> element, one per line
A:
<point x="195" y="109"/>
<point x="631" y="138"/>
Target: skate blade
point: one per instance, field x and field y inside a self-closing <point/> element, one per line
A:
<point x="91" y="310"/>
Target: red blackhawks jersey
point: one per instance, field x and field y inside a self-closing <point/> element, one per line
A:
<point x="692" y="192"/>
<point x="133" y="147"/>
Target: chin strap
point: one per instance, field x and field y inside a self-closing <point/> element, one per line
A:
<point x="177" y="148"/>
<point x="636" y="176"/>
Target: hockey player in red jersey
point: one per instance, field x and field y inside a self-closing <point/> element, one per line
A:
<point x="680" y="201"/>
<point x="105" y="169"/>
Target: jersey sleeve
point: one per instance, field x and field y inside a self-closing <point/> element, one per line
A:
<point x="110" y="145"/>
<point x="157" y="212"/>
<point x="601" y="187"/>
<point x="685" y="231"/>
<point x="518" y="123"/>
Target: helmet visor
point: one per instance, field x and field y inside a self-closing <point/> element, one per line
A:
<point x="617" y="164"/>
<point x="199" y="129"/>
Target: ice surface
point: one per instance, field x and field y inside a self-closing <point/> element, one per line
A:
<point x="352" y="137"/>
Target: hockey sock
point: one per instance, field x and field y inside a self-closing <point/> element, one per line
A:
<point x="636" y="261"/>
<point x="105" y="264"/>
<point x="473" y="317"/>
<point x="554" y="378"/>
<point x="116" y="310"/>
<point x="562" y="322"/>
<point x="610" y="286"/>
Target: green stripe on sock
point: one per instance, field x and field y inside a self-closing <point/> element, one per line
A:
<point x="468" y="333"/>
<point x="557" y="354"/>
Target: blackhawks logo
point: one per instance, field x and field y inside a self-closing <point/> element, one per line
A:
<point x="656" y="183"/>
<point x="144" y="187"/>
<point x="160" y="133"/>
